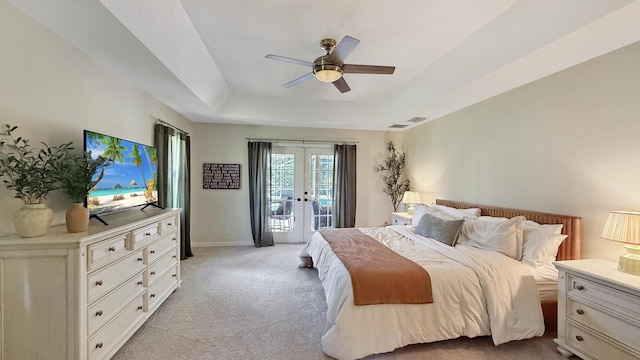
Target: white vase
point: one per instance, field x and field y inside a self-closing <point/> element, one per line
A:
<point x="32" y="220"/>
<point x="77" y="218"/>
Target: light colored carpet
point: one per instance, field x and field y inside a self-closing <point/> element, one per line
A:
<point x="250" y="303"/>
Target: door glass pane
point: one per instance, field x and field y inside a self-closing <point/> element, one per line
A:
<point x="281" y="190"/>
<point x="321" y="186"/>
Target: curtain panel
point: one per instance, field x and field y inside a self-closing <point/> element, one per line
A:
<point x="259" y="179"/>
<point x="344" y="186"/>
<point x="174" y="169"/>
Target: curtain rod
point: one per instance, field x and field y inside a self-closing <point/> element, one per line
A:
<point x="160" y="121"/>
<point x="306" y="141"/>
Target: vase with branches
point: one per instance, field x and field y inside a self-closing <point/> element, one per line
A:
<point x="392" y="167"/>
<point x="31" y="174"/>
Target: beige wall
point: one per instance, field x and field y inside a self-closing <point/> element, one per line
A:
<point x="52" y="92"/>
<point x="213" y="211"/>
<point x="569" y="144"/>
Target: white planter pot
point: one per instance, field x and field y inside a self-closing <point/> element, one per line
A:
<point x="32" y="220"/>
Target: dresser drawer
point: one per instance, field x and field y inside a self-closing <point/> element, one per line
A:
<point x="158" y="268"/>
<point x="106" y="251"/>
<point x="103" y="342"/>
<point x="164" y="284"/>
<point x="168" y="225"/>
<point x="614" y="300"/>
<point x="588" y="343"/>
<point x="141" y="237"/>
<point x="161" y="246"/>
<point x="603" y="322"/>
<point x="102" y="281"/>
<point x="103" y="310"/>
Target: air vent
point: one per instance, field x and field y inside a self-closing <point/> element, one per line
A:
<point x="398" y="126"/>
<point x="417" y="119"/>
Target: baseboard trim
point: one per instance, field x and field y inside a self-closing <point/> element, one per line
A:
<point x="220" y="244"/>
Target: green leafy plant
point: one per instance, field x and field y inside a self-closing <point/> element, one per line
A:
<point x="28" y="171"/>
<point x="76" y="173"/>
<point x="393" y="167"/>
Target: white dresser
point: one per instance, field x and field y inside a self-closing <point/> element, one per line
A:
<point x="82" y="296"/>
<point x="598" y="310"/>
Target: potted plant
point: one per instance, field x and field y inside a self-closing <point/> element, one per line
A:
<point x="393" y="167"/>
<point x="76" y="173"/>
<point x="31" y="174"/>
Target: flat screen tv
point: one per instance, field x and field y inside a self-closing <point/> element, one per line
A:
<point x="129" y="181"/>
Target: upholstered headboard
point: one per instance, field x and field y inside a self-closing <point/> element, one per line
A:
<point x="570" y="247"/>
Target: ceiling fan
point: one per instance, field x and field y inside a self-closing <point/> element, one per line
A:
<point x="330" y="67"/>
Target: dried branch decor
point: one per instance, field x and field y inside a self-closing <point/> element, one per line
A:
<point x="392" y="167"/>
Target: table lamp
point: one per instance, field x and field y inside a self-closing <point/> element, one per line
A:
<point x="624" y="226"/>
<point x="410" y="198"/>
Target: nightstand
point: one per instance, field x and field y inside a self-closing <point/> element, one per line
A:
<point x="598" y="312"/>
<point x="402" y="218"/>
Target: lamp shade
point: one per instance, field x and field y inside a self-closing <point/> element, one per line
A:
<point x="622" y="226"/>
<point x="411" y="197"/>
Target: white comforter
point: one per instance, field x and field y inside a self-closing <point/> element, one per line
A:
<point x="476" y="292"/>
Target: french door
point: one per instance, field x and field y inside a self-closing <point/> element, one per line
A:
<point x="301" y="191"/>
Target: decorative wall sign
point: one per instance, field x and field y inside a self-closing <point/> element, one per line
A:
<point x="220" y="176"/>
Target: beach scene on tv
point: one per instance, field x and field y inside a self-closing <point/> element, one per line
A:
<point x="131" y="178"/>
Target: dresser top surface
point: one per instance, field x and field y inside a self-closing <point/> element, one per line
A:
<point x="117" y="222"/>
<point x="604" y="270"/>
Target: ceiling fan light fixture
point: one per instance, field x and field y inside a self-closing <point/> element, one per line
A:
<point x="327" y="72"/>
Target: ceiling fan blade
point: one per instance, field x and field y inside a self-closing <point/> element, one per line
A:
<point x="298" y="80"/>
<point x="289" y="60"/>
<point x="367" y="69"/>
<point x="343" y="49"/>
<point x="342" y="85"/>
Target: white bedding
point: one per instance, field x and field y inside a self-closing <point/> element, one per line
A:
<point x="476" y="292"/>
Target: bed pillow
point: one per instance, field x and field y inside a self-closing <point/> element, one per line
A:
<point x="497" y="234"/>
<point x="554" y="228"/>
<point x="541" y="244"/>
<point x="442" y="230"/>
<point x="421" y="209"/>
<point x="457" y="213"/>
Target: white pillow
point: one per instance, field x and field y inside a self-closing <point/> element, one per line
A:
<point x="498" y="234"/>
<point x="457" y="213"/>
<point x="421" y="209"/>
<point x="541" y="243"/>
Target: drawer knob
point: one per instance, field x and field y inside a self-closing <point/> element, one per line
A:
<point x="169" y="224"/>
<point x="152" y="295"/>
<point x="99" y="313"/>
<point x="99" y="345"/>
<point x="99" y="283"/>
<point x="139" y="307"/>
<point x="147" y="234"/>
<point x="175" y="257"/>
<point x="580" y="312"/>
<point x="139" y="259"/>
<point x="152" y="251"/>
<point x="139" y="282"/>
<point x="580" y="287"/>
<point x="152" y="273"/>
<point x="174" y="239"/>
<point x="112" y="248"/>
<point x="579" y="338"/>
<point x="174" y="275"/>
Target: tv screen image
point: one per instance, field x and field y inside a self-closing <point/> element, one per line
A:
<point x="131" y="178"/>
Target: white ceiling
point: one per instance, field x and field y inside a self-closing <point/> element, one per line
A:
<point x="206" y="58"/>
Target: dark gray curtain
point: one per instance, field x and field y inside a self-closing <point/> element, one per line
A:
<point x="174" y="169"/>
<point x="344" y="186"/>
<point x="259" y="179"/>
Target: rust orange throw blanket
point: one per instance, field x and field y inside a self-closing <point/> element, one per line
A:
<point x="378" y="274"/>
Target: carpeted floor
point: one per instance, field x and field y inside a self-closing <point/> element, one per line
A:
<point x="250" y="303"/>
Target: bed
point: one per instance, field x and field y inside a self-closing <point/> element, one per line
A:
<point x="476" y="292"/>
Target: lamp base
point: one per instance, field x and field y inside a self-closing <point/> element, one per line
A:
<point x="410" y="209"/>
<point x="630" y="261"/>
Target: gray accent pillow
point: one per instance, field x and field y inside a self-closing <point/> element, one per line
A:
<point x="445" y="231"/>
